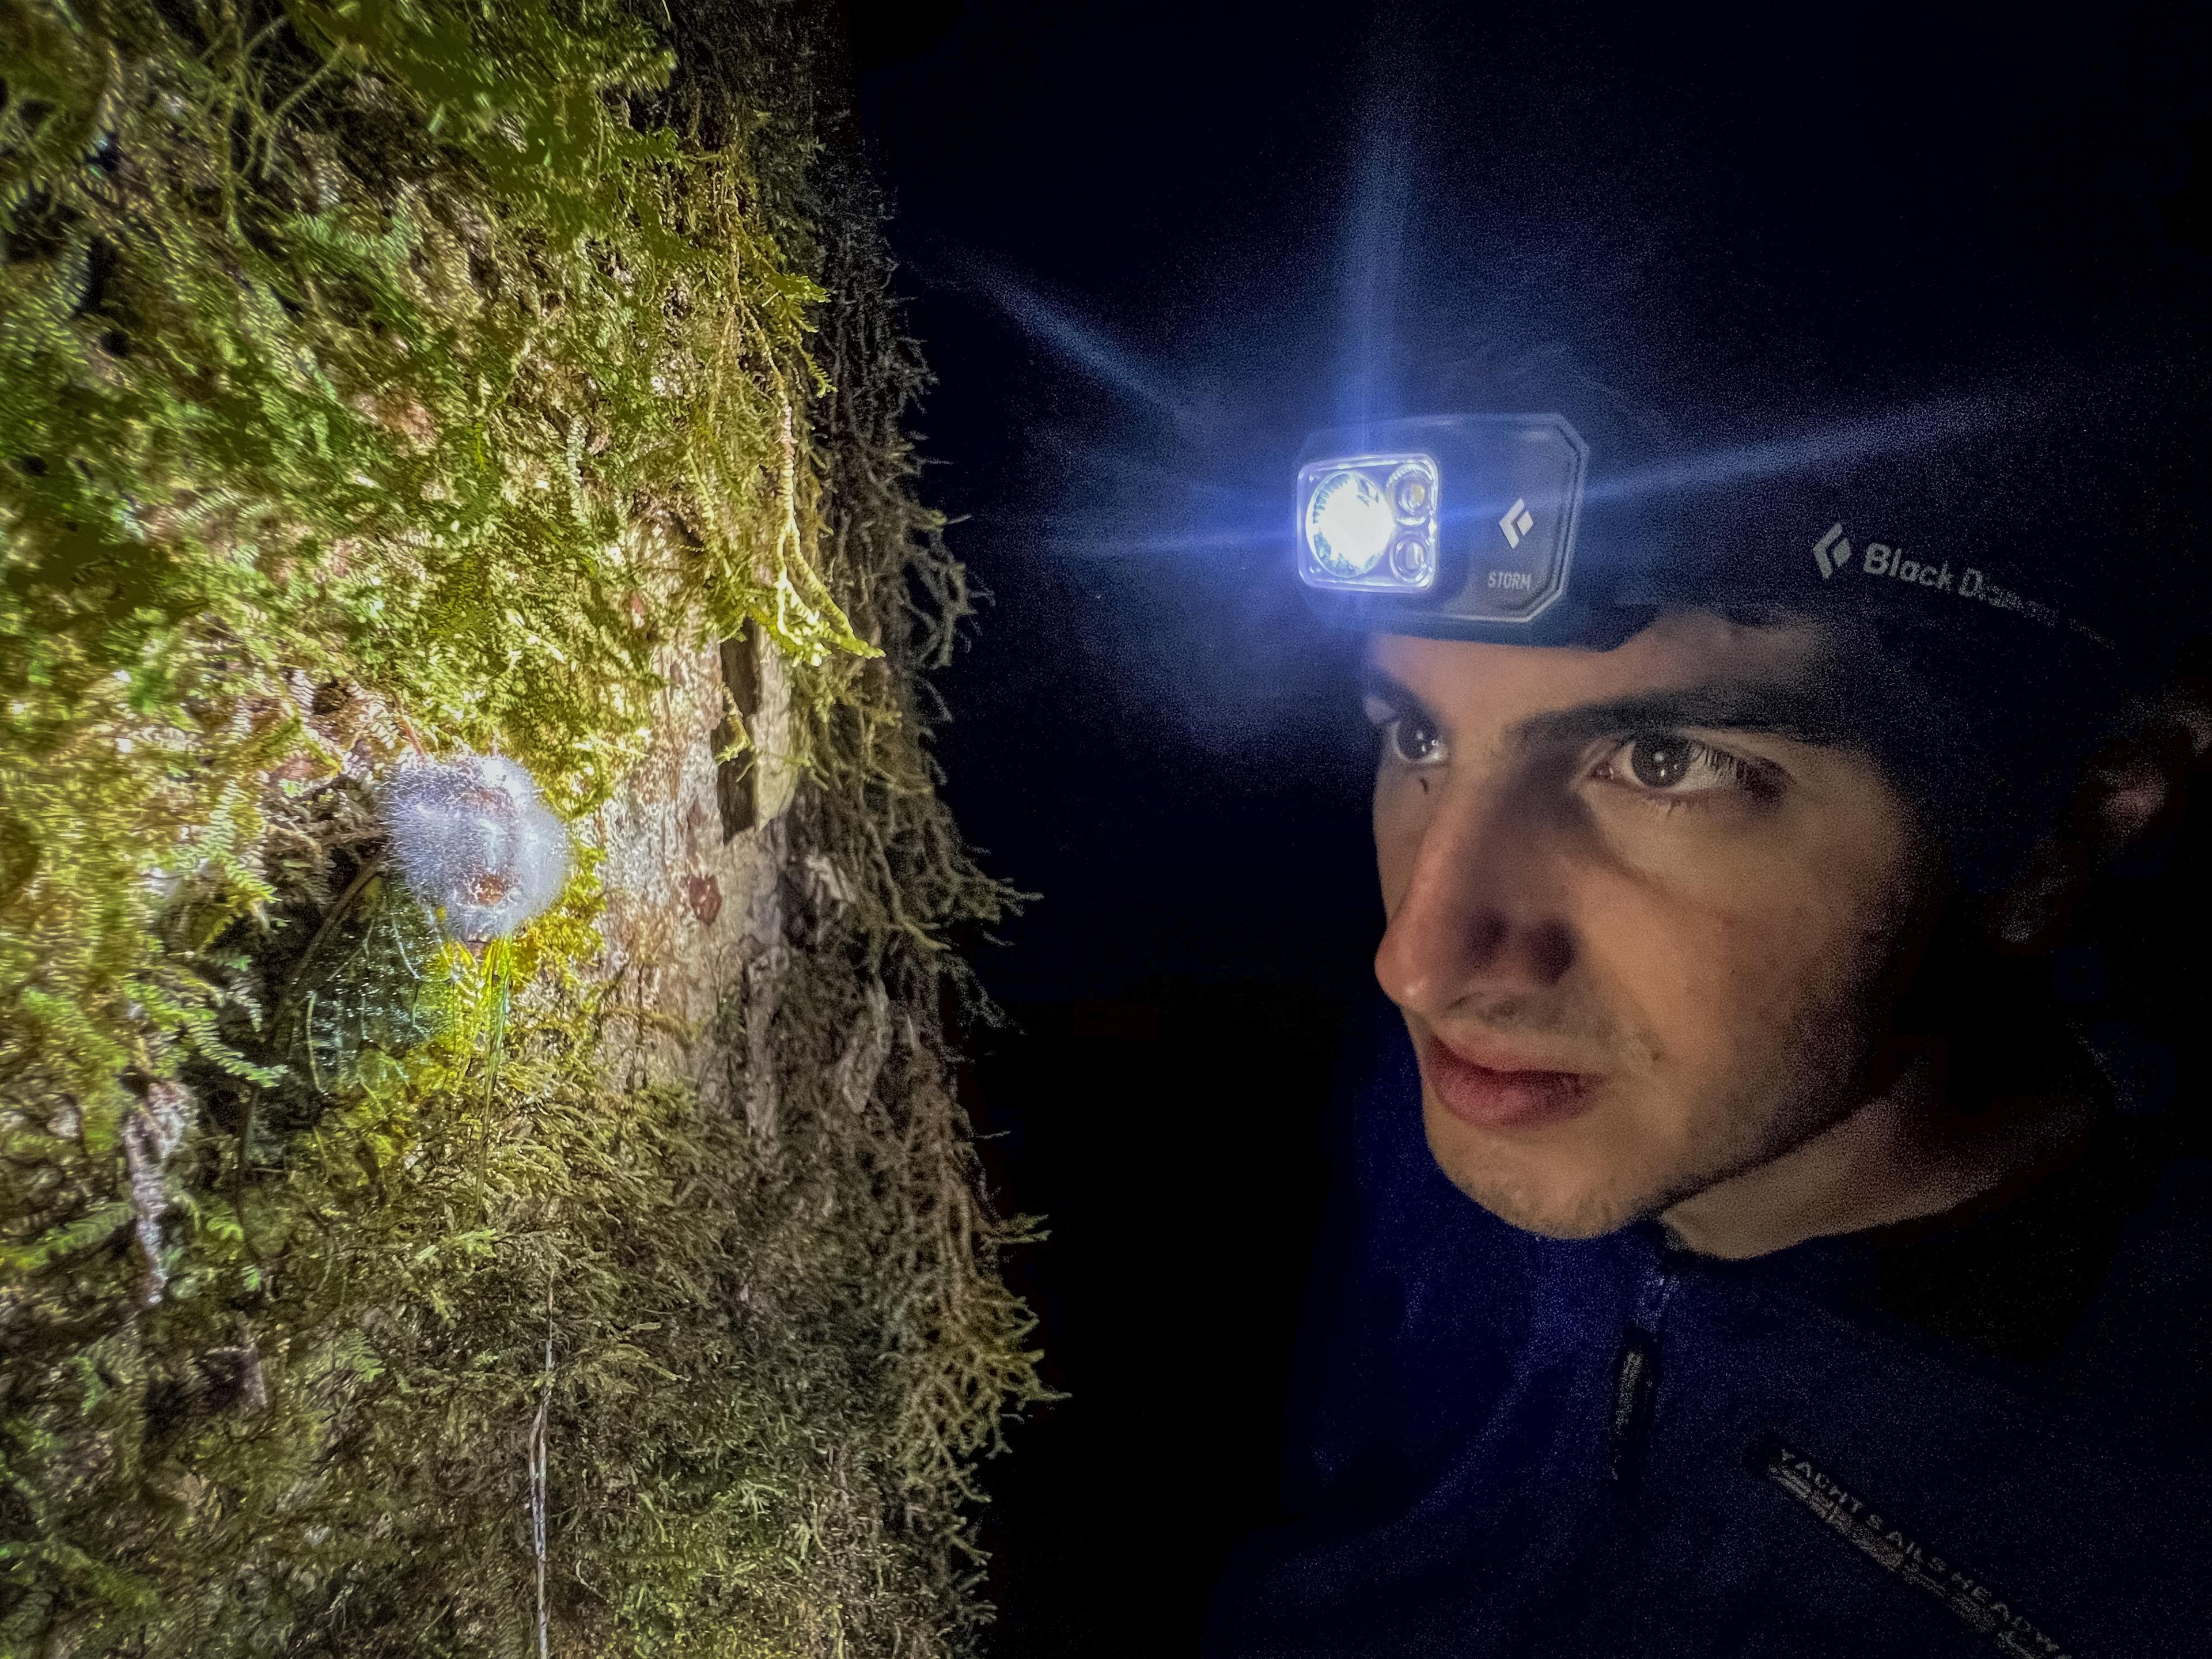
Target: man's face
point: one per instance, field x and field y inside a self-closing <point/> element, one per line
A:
<point x="1646" y="908"/>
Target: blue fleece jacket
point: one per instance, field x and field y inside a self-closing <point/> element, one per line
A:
<point x="1988" y="1436"/>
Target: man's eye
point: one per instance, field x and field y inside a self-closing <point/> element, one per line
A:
<point x="1409" y="739"/>
<point x="1412" y="740"/>
<point x="1667" y="763"/>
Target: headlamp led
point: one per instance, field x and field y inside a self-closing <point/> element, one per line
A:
<point x="1459" y="524"/>
<point x="1371" y="524"/>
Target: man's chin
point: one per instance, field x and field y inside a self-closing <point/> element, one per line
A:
<point x="1591" y="1217"/>
<point x="1554" y="1200"/>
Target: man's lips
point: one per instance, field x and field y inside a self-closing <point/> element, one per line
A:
<point x="1502" y="1096"/>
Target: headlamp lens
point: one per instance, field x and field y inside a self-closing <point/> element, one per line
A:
<point x="1412" y="561"/>
<point x="1348" y="524"/>
<point x="1411" y="493"/>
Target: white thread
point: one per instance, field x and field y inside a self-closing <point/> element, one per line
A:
<point x="537" y="1477"/>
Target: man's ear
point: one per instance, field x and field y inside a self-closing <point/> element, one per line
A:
<point x="2128" y="788"/>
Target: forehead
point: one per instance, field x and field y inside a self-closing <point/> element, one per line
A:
<point x="1681" y="651"/>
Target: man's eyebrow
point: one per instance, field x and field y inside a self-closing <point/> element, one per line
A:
<point x="1385" y="687"/>
<point x="1800" y="711"/>
<point x="1797" y="711"/>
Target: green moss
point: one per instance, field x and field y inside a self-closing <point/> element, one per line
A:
<point x="378" y="375"/>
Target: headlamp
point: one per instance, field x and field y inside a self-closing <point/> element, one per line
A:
<point x="1457" y="524"/>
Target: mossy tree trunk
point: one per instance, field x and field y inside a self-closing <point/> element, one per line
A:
<point x="416" y="379"/>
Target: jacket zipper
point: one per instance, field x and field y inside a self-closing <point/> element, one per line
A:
<point x="1636" y="1375"/>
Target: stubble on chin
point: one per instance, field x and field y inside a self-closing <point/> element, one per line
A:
<point x="1773" y="1096"/>
<point x="1534" y="1188"/>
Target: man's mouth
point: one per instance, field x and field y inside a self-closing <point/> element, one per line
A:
<point x="1501" y="1095"/>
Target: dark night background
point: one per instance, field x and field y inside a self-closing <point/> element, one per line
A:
<point x="1147" y="248"/>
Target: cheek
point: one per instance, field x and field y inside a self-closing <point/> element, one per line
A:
<point x="1751" y="974"/>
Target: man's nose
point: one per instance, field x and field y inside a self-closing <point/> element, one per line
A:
<point x="1480" y="920"/>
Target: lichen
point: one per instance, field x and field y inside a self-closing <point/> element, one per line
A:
<point x="416" y="377"/>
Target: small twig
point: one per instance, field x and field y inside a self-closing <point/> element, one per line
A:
<point x="273" y="123"/>
<point x="246" y="1138"/>
<point x="339" y="906"/>
<point x="308" y="1033"/>
<point x="538" y="1473"/>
